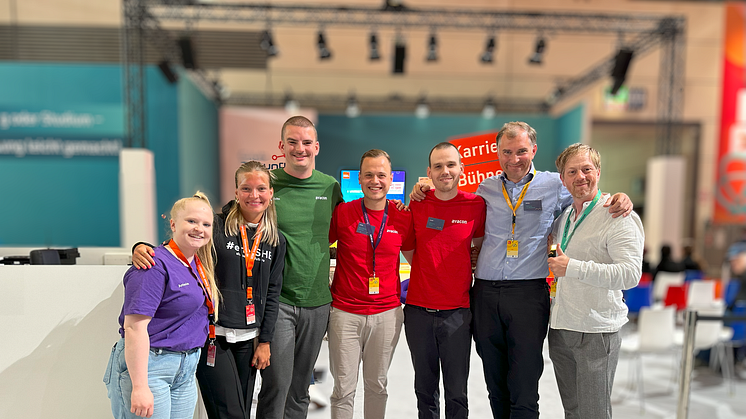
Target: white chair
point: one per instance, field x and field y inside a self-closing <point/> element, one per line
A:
<point x="700" y="294"/>
<point x="663" y="280"/>
<point x="655" y="334"/>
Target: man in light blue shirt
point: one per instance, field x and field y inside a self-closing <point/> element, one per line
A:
<point x="510" y="297"/>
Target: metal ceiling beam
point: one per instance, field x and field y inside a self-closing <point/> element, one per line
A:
<point x="392" y="103"/>
<point x="305" y="15"/>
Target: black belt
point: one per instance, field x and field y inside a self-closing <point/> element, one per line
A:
<point x="431" y="310"/>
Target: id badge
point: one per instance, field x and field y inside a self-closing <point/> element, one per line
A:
<point x="435" y="223"/>
<point x="553" y="288"/>
<point x="211" y="355"/>
<point x="512" y="249"/>
<point x="373" y="285"/>
<point x="250" y="314"/>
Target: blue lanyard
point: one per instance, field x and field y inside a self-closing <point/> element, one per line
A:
<point x="380" y="230"/>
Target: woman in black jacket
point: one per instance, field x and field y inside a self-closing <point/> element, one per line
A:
<point x="250" y="259"/>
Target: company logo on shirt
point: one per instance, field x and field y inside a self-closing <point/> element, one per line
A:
<point x="321" y="198"/>
<point x="388" y="230"/>
<point x="183" y="285"/>
<point x="458" y="222"/>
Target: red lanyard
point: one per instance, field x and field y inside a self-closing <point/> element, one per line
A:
<point x="201" y="280"/>
<point x="250" y="257"/>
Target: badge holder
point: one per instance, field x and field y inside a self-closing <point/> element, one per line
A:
<point x="374" y="284"/>
<point x="250" y="308"/>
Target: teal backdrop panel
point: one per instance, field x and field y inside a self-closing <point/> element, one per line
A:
<point x="163" y="139"/>
<point x="570" y="128"/>
<point x="408" y="139"/>
<point x="74" y="201"/>
<point x="198" y="153"/>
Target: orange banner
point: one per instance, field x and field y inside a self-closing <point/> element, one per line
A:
<point x="730" y="190"/>
<point x="479" y="156"/>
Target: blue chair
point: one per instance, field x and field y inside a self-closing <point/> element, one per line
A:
<point x="404" y="288"/>
<point x="693" y="274"/>
<point x="731" y="291"/>
<point x="739" y="327"/>
<point x="638" y="297"/>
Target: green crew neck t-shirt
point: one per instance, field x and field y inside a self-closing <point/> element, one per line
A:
<point x="304" y="212"/>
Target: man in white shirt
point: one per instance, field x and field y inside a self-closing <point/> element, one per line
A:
<point x="597" y="257"/>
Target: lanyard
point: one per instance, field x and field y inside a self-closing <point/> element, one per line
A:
<point x="201" y="280"/>
<point x="565" y="237"/>
<point x="520" y="200"/>
<point x="250" y="257"/>
<point x="380" y="230"/>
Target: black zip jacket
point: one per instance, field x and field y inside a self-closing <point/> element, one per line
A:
<point x="230" y="273"/>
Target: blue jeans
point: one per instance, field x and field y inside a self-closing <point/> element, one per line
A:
<point x="170" y="378"/>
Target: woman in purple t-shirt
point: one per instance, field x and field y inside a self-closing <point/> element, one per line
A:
<point x="164" y="321"/>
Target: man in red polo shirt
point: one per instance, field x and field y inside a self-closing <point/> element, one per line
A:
<point x="438" y="318"/>
<point x="366" y="315"/>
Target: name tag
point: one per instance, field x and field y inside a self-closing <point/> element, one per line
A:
<point x="366" y="229"/>
<point x="435" y="223"/>
<point x="512" y="249"/>
<point x="534" y="205"/>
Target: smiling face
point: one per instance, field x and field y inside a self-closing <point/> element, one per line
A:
<point x="375" y="179"/>
<point x="253" y="195"/>
<point x="300" y="147"/>
<point x="580" y="177"/>
<point x="192" y="226"/>
<point x="516" y="154"/>
<point x="445" y="169"/>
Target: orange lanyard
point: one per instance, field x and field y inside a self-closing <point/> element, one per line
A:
<point x="251" y="256"/>
<point x="201" y="280"/>
<point x="518" y="203"/>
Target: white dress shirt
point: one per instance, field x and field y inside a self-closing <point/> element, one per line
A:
<point x="605" y="258"/>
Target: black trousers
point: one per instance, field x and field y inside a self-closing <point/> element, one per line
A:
<point x="510" y="323"/>
<point x="228" y="387"/>
<point x="439" y="339"/>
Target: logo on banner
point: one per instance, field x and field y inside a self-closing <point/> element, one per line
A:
<point x="731" y="188"/>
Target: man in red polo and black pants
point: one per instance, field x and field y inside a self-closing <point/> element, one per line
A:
<point x="437" y="315"/>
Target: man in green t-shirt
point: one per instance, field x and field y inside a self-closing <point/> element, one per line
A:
<point x="305" y="199"/>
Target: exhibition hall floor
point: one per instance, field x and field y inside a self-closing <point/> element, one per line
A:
<point x="710" y="398"/>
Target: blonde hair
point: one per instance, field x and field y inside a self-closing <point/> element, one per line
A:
<point x="573" y="151"/>
<point x="268" y="223"/>
<point x="206" y="253"/>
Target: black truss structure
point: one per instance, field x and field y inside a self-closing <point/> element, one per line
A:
<point x="645" y="33"/>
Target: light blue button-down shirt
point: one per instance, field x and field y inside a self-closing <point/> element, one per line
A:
<point x="531" y="227"/>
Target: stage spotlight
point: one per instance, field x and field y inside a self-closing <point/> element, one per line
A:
<point x="432" y="48"/>
<point x="168" y="72"/>
<point x="400" y="55"/>
<point x="619" y="73"/>
<point x="422" y="110"/>
<point x="187" y="53"/>
<point x="353" y="109"/>
<point x="374" y="54"/>
<point x="489" y="50"/>
<point x="291" y="105"/>
<point x="324" y="53"/>
<point x="267" y="44"/>
<point x="393" y="6"/>
<point x="488" y="112"/>
<point x="538" y="56"/>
